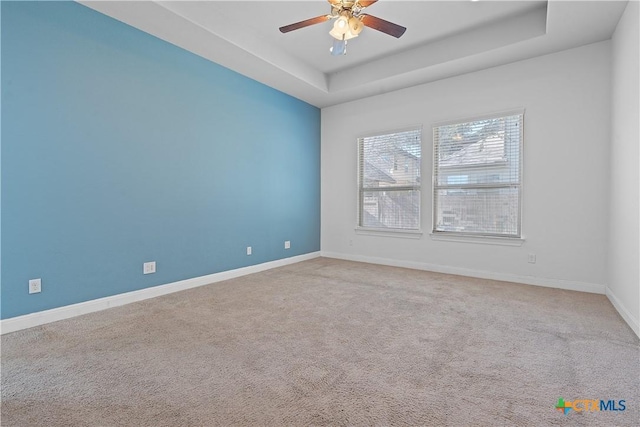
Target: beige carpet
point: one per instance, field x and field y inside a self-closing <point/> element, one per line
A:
<point x="328" y="342"/>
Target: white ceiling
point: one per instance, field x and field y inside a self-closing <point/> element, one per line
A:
<point x="443" y="39"/>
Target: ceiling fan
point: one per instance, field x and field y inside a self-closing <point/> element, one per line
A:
<point x="350" y="20"/>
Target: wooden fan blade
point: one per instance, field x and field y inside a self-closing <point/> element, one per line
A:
<point x="305" y="23"/>
<point x="386" y="27"/>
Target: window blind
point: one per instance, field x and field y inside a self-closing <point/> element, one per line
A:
<point x="389" y="180"/>
<point x="477" y="176"/>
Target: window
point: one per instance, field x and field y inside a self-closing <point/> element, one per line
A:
<point x="389" y="196"/>
<point x="477" y="176"/>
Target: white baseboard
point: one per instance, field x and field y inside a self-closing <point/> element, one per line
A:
<point x="47" y="316"/>
<point x="506" y="277"/>
<point x="42" y="317"/>
<point x="626" y="315"/>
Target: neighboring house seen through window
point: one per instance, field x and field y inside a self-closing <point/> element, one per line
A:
<point x="478" y="176"/>
<point x="389" y="195"/>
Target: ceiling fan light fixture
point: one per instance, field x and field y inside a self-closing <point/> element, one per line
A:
<point x="343" y="28"/>
<point x="341" y="25"/>
<point x="355" y="26"/>
<point x="336" y="35"/>
<point x="346" y="36"/>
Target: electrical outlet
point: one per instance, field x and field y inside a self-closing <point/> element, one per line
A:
<point x="350" y="242"/>
<point x="149" y="267"/>
<point x="532" y="258"/>
<point x="35" y="286"/>
<point x="287" y="244"/>
<point x="248" y="250"/>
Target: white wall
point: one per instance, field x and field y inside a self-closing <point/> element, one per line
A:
<point x="566" y="162"/>
<point x="624" y="276"/>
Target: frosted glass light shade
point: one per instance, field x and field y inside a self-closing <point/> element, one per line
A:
<point x="341" y="25"/>
<point x="355" y="26"/>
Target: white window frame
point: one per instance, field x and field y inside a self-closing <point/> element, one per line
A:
<point x="475" y="237"/>
<point x="385" y="232"/>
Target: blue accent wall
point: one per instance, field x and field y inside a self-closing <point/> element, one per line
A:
<point x="119" y="148"/>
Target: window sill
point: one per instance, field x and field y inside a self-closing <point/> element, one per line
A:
<point x="384" y="232"/>
<point x="483" y="240"/>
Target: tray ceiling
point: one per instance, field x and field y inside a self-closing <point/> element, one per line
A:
<point x="443" y="39"/>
